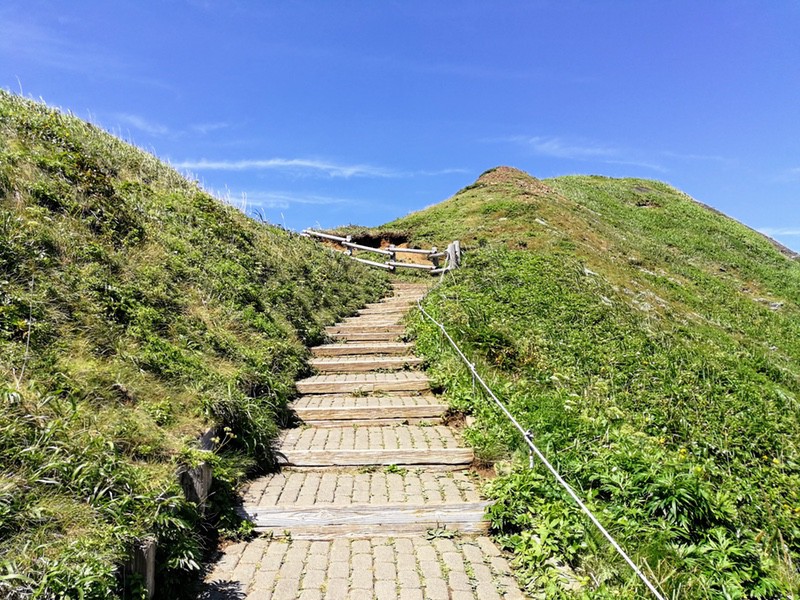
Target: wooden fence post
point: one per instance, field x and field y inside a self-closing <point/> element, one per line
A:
<point x="196" y="483"/>
<point x="143" y="564"/>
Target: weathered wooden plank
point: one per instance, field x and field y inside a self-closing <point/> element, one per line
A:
<point x="367" y="515"/>
<point x="365" y="336"/>
<point x="368" y="328"/>
<point x="314" y="385"/>
<point x="394" y="263"/>
<point x="355" y="458"/>
<point x="384" y="400"/>
<point x="392" y="348"/>
<point x="367" y="248"/>
<point x="377" y="411"/>
<point x="375" y="421"/>
<point x="372" y="263"/>
<point x="332" y="532"/>
<point x="400" y="303"/>
<point x="386" y="313"/>
<point x="399" y="250"/>
<point x="363" y="364"/>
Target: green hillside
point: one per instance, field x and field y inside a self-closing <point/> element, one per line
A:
<point x="136" y="311"/>
<point x="652" y="346"/>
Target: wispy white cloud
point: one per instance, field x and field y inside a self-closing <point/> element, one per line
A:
<point x="697" y="157"/>
<point x="780" y="231"/>
<point x="559" y="147"/>
<point x="296" y="165"/>
<point x="283" y="200"/>
<point x="581" y="149"/>
<point x="24" y="41"/>
<point x="639" y="163"/>
<point x="309" y="166"/>
<point x="156" y="129"/>
<point x="792" y="174"/>
<point x="206" y="128"/>
<point x="438" y="172"/>
<point x="713" y="160"/>
<point x="143" y="124"/>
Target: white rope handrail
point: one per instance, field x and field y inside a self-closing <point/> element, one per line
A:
<point x="528" y="436"/>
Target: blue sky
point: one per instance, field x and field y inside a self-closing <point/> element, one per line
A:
<point x="326" y="113"/>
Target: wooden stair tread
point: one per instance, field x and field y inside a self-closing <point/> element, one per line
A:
<point x="432" y="458"/>
<point x="348" y="400"/>
<point x="363" y="363"/>
<point x="363" y="382"/>
<point x="368" y="328"/>
<point x="369" y="519"/>
<point x="353" y="348"/>
<point x="366" y="336"/>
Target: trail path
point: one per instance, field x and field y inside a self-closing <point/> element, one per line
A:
<point x="374" y="498"/>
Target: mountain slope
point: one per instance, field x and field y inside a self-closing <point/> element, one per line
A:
<point x="652" y="346"/>
<point x="136" y="311"/>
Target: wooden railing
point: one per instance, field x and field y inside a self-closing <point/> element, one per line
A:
<point x="451" y="256"/>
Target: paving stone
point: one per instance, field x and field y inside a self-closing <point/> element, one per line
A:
<point x="436" y="589"/>
<point x="313" y="578"/>
<point x="385" y="590"/>
<point x="336" y="588"/>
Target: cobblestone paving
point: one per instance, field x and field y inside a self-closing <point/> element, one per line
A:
<point x="353" y="486"/>
<point x="384" y="437"/>
<point x="345" y="401"/>
<point x="373" y="568"/>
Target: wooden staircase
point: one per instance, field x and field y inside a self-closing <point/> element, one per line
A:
<point x="370" y="423"/>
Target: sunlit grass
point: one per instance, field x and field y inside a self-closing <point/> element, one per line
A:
<point x="136" y="312"/>
<point x="652" y="347"/>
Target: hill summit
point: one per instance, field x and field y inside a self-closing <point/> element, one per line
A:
<point x="652" y="347"/>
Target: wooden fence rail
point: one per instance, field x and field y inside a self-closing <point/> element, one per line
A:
<point x="452" y="255"/>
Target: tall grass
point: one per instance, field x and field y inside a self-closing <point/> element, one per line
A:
<point x="136" y="311"/>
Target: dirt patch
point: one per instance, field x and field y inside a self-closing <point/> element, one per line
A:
<point x="483" y="470"/>
<point x="454" y="418"/>
<point x="515" y="177"/>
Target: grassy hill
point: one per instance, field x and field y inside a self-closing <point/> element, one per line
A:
<point x="652" y="345"/>
<point x="136" y="311"/>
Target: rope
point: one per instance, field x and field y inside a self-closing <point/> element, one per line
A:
<point x="533" y="449"/>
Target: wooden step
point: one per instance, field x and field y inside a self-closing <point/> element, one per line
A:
<point x="363" y="364"/>
<point x="405" y="304"/>
<point x="363" y="383"/>
<point x="386" y="313"/>
<point x="357" y="520"/>
<point x="353" y="349"/>
<point x="389" y="421"/>
<point x="442" y="458"/>
<point x="372" y="408"/>
<point x="366" y="328"/>
<point x="377" y="320"/>
<point x="370" y="336"/>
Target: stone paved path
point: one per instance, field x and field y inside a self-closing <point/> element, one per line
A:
<point x="374" y="499"/>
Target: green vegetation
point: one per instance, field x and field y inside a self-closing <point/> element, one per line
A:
<point x="652" y="346"/>
<point x="136" y="311"/>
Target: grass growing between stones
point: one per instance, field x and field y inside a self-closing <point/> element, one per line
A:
<point x="136" y="311"/>
<point x="651" y="345"/>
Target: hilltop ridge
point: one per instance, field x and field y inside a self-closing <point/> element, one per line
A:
<point x="652" y="347"/>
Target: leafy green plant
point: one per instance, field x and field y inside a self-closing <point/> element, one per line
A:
<point x="651" y="347"/>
